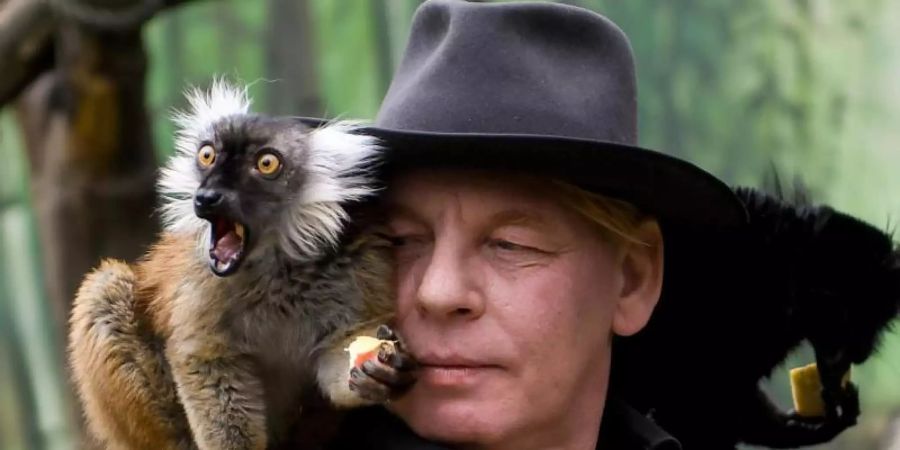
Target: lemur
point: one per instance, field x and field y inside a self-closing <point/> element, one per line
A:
<point x="735" y="303"/>
<point x="218" y="337"/>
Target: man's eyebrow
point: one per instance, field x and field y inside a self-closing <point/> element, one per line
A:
<point x="401" y="211"/>
<point x="514" y="216"/>
<point x="519" y="217"/>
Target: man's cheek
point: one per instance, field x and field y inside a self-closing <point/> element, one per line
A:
<point x="407" y="284"/>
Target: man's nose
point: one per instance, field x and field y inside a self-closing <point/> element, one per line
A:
<point x="447" y="287"/>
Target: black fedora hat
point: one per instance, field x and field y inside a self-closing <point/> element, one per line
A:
<point x="538" y="87"/>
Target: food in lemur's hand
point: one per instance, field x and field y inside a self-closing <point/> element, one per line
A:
<point x="365" y="348"/>
<point x="239" y="315"/>
<point x="806" y="390"/>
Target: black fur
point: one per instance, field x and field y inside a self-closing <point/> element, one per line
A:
<point x="736" y="303"/>
<point x="239" y="140"/>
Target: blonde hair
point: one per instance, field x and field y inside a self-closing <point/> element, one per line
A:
<point x="617" y="220"/>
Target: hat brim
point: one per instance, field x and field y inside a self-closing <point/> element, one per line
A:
<point x="669" y="188"/>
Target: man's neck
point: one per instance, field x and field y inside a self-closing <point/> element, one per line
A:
<point x="578" y="429"/>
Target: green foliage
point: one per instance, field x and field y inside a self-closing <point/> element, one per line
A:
<point x="347" y="68"/>
<point x="36" y="404"/>
<point x="807" y="87"/>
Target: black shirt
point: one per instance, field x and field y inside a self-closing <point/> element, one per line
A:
<point x="622" y="428"/>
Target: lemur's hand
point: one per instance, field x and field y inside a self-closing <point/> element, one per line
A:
<point x="841" y="405"/>
<point x="817" y="430"/>
<point x="848" y="406"/>
<point x="391" y="374"/>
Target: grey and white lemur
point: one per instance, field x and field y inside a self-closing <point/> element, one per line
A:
<point x="220" y="334"/>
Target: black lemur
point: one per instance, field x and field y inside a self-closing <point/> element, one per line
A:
<point x="736" y="303"/>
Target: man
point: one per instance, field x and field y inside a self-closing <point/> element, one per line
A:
<point x="525" y="223"/>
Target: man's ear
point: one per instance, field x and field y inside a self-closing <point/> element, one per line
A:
<point x="641" y="265"/>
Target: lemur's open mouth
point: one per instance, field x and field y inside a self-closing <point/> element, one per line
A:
<point x="226" y="246"/>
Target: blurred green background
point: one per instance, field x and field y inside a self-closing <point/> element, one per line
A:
<point x="808" y="88"/>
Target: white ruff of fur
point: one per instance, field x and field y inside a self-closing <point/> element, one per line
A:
<point x="339" y="171"/>
<point x="340" y="164"/>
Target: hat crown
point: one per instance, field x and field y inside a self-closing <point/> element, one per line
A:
<point x="514" y="68"/>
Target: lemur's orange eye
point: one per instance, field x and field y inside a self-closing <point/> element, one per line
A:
<point x="206" y="156"/>
<point x="268" y="164"/>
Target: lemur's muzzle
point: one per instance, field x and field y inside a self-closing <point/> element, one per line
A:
<point x="227" y="236"/>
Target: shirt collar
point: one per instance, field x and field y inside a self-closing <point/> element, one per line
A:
<point x="624" y="428"/>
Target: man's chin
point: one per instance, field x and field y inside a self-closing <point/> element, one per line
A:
<point x="453" y="421"/>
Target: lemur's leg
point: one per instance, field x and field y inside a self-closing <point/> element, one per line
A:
<point x="378" y="380"/>
<point x="119" y="369"/>
<point x="769" y="426"/>
<point x="221" y="393"/>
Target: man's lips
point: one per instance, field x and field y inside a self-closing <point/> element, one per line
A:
<point x="450" y="361"/>
<point x="452" y="370"/>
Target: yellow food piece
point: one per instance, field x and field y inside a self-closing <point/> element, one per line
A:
<point x="363" y="348"/>
<point x="806" y="388"/>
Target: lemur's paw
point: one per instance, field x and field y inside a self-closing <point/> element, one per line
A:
<point x="841" y="405"/>
<point x="849" y="402"/>
<point x="816" y="430"/>
<point x="824" y="429"/>
<point x="387" y="376"/>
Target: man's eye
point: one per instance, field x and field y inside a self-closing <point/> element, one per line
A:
<point x="402" y="241"/>
<point x="397" y="241"/>
<point x="505" y="245"/>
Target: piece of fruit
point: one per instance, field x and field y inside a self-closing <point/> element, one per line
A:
<point x="364" y="348"/>
<point x="806" y="388"/>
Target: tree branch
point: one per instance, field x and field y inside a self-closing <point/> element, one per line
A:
<point x="27" y="28"/>
<point x="26" y="44"/>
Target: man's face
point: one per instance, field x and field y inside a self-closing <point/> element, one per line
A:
<point x="506" y="299"/>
